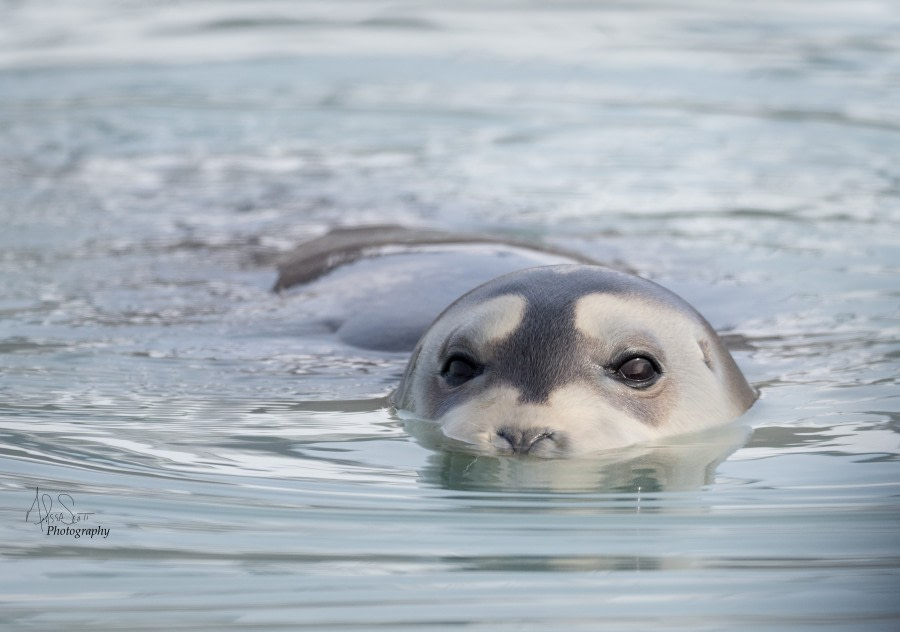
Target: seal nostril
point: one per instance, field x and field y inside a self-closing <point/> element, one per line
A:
<point x="522" y="441"/>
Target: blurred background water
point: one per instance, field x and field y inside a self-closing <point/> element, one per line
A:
<point x="156" y="159"/>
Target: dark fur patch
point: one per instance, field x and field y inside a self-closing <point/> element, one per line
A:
<point x="541" y="354"/>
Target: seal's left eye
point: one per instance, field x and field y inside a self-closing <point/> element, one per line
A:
<point x="638" y="371"/>
<point x="459" y="369"/>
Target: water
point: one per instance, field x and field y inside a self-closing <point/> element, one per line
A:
<point x="157" y="158"/>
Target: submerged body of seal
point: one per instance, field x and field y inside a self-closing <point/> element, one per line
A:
<point x="548" y="355"/>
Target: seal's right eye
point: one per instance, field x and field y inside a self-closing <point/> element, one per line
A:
<point x="459" y="369"/>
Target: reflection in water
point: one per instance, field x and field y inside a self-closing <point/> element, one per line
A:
<point x="682" y="463"/>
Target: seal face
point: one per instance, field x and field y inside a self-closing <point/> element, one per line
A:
<point x="567" y="359"/>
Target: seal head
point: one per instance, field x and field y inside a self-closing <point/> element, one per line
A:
<point x="569" y="359"/>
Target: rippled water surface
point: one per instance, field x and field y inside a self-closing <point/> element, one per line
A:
<point x="237" y="463"/>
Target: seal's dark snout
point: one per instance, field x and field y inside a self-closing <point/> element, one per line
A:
<point x="521" y="441"/>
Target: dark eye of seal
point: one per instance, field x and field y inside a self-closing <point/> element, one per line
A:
<point x="638" y="372"/>
<point x="459" y="369"/>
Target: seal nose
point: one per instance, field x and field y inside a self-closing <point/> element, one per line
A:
<point x="521" y="441"/>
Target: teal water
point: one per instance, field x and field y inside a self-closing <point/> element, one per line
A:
<point x="157" y="160"/>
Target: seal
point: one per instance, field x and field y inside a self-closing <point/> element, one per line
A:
<point x="568" y="359"/>
<point x="549" y="355"/>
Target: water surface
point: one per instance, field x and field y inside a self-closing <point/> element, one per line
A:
<point x="157" y="160"/>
